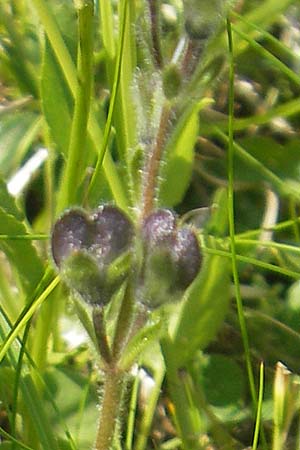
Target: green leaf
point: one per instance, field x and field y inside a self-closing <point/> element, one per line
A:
<point x="57" y="101"/>
<point x="282" y="160"/>
<point x="13" y="130"/>
<point x="7" y="379"/>
<point x="176" y="174"/>
<point x="225" y="390"/>
<point x="36" y="408"/>
<point x="21" y="253"/>
<point x="84" y="317"/>
<point x="77" y="403"/>
<point x="146" y="336"/>
<point x="204" y="310"/>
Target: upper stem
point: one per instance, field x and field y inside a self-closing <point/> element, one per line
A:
<point x="154" y="161"/>
<point x="124" y="322"/>
<point x="154" y="17"/>
<point x="100" y="331"/>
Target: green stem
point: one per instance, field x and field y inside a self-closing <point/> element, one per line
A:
<point x="64" y="58"/>
<point x="100" y="331"/>
<point x="107" y="29"/>
<point x="117" y="76"/>
<point x="123" y="323"/>
<point x="115" y="377"/>
<point x="26" y="314"/>
<point x="111" y="402"/>
<point x="154" y="162"/>
<point x="41" y="334"/>
<point x="76" y="154"/>
<point x="123" y="115"/>
<point x="154" y="8"/>
<point x="259" y="408"/>
<point x="239" y="302"/>
<point x="231" y="221"/>
<point x="280" y="186"/>
<point x="17" y="385"/>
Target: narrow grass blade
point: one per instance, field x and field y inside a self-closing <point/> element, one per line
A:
<point x="10" y="438"/>
<point x="112" y="104"/>
<point x="26" y="315"/>
<point x="259" y="407"/>
<point x="239" y="302"/>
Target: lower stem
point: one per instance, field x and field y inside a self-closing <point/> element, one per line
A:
<point x="111" y="402"/>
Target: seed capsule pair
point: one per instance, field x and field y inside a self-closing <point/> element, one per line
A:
<point x="96" y="252"/>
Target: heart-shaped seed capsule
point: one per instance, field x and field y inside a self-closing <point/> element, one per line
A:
<point x="91" y="251"/>
<point x="171" y="259"/>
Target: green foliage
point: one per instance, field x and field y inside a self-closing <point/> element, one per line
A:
<point x="17" y="131"/>
<point x="57" y="101"/>
<point x="21" y="253"/>
<point x="179" y="158"/>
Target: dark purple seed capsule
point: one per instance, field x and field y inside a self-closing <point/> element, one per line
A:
<point x="171" y="259"/>
<point x="70" y="233"/>
<point x="89" y="250"/>
<point x="159" y="227"/>
<point x="187" y="256"/>
<point x="113" y="233"/>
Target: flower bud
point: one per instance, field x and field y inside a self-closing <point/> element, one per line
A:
<point x="202" y="17"/>
<point x="169" y="17"/>
<point x="90" y="251"/>
<point x="171" y="81"/>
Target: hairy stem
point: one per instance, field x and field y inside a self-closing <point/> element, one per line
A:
<point x="114" y="376"/>
<point x="154" y="161"/>
<point x="157" y="56"/>
<point x="102" y="341"/>
<point x="124" y="322"/>
<point x="112" y="398"/>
